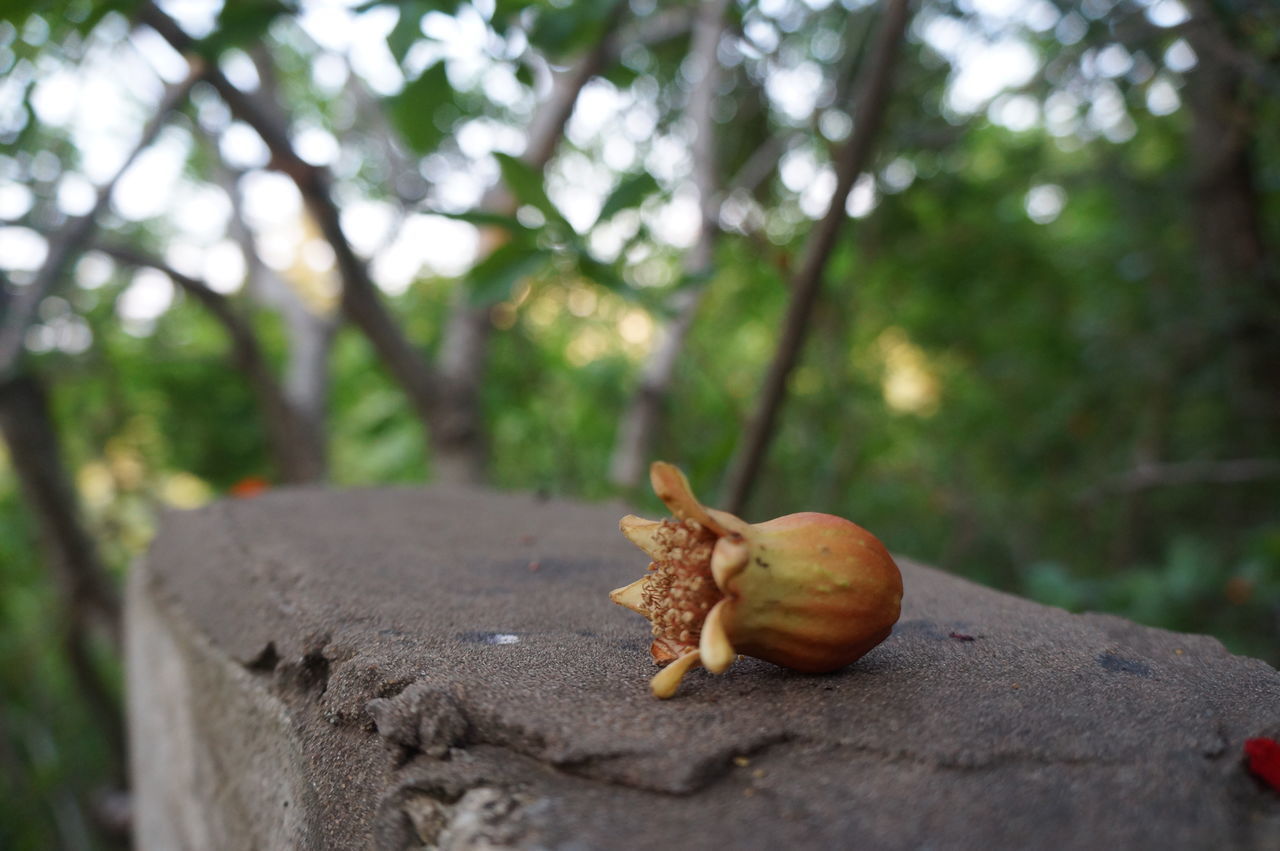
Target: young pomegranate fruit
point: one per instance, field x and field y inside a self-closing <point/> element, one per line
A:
<point x="809" y="591"/>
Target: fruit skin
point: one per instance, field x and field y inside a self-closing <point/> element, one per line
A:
<point x="817" y="593"/>
<point x="809" y="591"/>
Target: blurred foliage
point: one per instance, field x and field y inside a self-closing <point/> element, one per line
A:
<point x="53" y="756"/>
<point x="979" y="379"/>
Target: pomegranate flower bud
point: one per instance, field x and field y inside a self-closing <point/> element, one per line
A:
<point x="808" y="591"/>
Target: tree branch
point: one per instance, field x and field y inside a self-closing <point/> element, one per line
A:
<point x="310" y="329"/>
<point x="87" y="594"/>
<point x="33" y="451"/>
<point x="65" y="245"/>
<point x="662" y="26"/>
<point x="1172" y="474"/>
<point x="463" y="354"/>
<point x="547" y="126"/>
<point x="291" y="438"/>
<point x="639" y="425"/>
<point x="1238" y="273"/>
<point x="1203" y="29"/>
<point x="361" y="301"/>
<point x="852" y="161"/>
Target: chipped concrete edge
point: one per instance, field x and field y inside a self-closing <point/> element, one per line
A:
<point x="217" y="761"/>
<point x="213" y="756"/>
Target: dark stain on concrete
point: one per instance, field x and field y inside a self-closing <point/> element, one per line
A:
<point x="1119" y="664"/>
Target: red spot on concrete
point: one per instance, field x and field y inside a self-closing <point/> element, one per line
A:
<point x="1262" y="756"/>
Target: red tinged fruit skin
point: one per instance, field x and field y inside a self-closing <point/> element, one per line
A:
<point x="836" y="596"/>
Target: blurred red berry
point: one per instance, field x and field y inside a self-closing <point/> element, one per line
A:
<point x="249" y="486"/>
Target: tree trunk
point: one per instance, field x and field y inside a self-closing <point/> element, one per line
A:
<point x="33" y="452"/>
<point x="1241" y="287"/>
<point x="88" y="596"/>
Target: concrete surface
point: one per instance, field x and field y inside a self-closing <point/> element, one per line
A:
<point x="404" y="669"/>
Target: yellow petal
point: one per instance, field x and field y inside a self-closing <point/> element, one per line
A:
<point x="666" y="681"/>
<point x="728" y="559"/>
<point x="644" y="534"/>
<point x="631" y="596"/>
<point x="716" y="651"/>
<point x="730" y="522"/>
<point x="673" y="489"/>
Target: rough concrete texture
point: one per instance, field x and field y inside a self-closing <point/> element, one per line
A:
<point x="403" y="669"/>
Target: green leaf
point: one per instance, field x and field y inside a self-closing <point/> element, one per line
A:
<point x="495" y="277"/>
<point x="408" y="29"/>
<point x="630" y="192"/>
<point x="99" y="10"/>
<point x="693" y="280"/>
<point x="524" y="74"/>
<point x="241" y="24"/>
<point x="415" y="109"/>
<point x="602" y="273"/>
<point x="575" y="26"/>
<point x="525" y="182"/>
<point x="507" y="13"/>
<point x="484" y="219"/>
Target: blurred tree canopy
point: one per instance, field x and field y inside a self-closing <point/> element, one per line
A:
<point x="995" y="279"/>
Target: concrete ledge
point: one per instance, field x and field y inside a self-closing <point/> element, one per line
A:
<point x="405" y="669"/>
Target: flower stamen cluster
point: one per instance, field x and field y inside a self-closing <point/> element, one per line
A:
<point x="680" y="591"/>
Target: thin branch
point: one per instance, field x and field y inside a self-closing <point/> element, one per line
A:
<point x="288" y="433"/>
<point x="100" y="697"/>
<point x="638" y="429"/>
<point x="447" y="399"/>
<point x="218" y="305"/>
<point x="309" y="329"/>
<point x="1207" y="38"/>
<point x="762" y="162"/>
<point x="701" y="109"/>
<point x="639" y="425"/>
<point x="1157" y="475"/>
<point x="65" y="245"/>
<point x="547" y="127"/>
<point x="1239" y="276"/>
<point x="88" y="597"/>
<point x="406" y="183"/>
<point x="462" y="361"/>
<point x="310" y="333"/>
<point x="852" y="161"/>
<point x="361" y="301"/>
<point x="664" y="25"/>
<point x="28" y="429"/>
